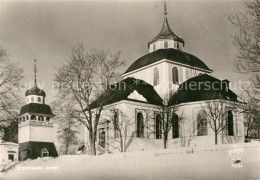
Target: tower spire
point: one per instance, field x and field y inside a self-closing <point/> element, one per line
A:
<point x="165" y="8"/>
<point x="35" y="72"/>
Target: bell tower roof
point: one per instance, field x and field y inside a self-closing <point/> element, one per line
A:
<point x="35" y="90"/>
<point x="166" y="32"/>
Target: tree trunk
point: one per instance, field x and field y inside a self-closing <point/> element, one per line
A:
<point x="92" y="141"/>
<point x="165" y="141"/>
<point x="216" y="138"/>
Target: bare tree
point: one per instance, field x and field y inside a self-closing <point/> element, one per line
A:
<point x="83" y="78"/>
<point x="10" y="77"/>
<point x="168" y="119"/>
<point x="121" y="123"/>
<point x="187" y="131"/>
<point x="67" y="128"/>
<point x="216" y="113"/>
<point x="248" y="41"/>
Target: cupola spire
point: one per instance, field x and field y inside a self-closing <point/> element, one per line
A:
<point x="165" y="8"/>
<point x="35" y="71"/>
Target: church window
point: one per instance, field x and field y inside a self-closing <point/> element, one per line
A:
<point x="202" y="123"/>
<point x="140" y="125"/>
<point x="165" y="44"/>
<point x="178" y="45"/>
<point x="45" y="153"/>
<point x="11" y="155"/>
<point x="39" y="99"/>
<point x="158" y="127"/>
<point x="48" y="119"/>
<point x="175" y="75"/>
<point x="32" y="99"/>
<point x="102" y="137"/>
<point x="230" y="124"/>
<point x="155" y="76"/>
<point x="27" y="117"/>
<point x="154" y="47"/>
<point x="175" y="126"/>
<point x="181" y="46"/>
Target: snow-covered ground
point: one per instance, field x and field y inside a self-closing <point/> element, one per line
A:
<point x="211" y="163"/>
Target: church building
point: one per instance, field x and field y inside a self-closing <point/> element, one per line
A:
<point x="164" y="76"/>
<point x="35" y="129"/>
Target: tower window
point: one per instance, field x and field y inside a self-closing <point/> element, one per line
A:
<point x="165" y="44"/>
<point x="175" y="75"/>
<point x="155" y="76"/>
<point x="45" y="153"/>
<point x="39" y="99"/>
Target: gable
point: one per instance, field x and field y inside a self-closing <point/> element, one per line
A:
<point x="136" y="96"/>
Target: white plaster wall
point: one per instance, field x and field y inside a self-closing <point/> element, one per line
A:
<point x="165" y="87"/>
<point x="35" y="97"/>
<point x="24" y="134"/>
<point x="42" y="133"/>
<point x="4" y="148"/>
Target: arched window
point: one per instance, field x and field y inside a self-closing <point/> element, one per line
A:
<point x="202" y="123"/>
<point x="45" y="153"/>
<point x="155" y="76"/>
<point x="175" y="126"/>
<point x="40" y="118"/>
<point x="140" y="125"/>
<point x="48" y="119"/>
<point x="158" y="127"/>
<point x="39" y="99"/>
<point x="32" y="99"/>
<point x="33" y="117"/>
<point x="175" y="75"/>
<point x="230" y="124"/>
<point x="165" y="44"/>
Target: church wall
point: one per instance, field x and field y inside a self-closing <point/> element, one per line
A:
<point x="46" y="136"/>
<point x="24" y="134"/>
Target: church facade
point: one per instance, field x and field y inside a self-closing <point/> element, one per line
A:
<point x="167" y="76"/>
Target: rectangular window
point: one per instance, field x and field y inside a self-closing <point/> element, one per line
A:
<point x="154" y="47"/>
<point x="11" y="157"/>
<point x="165" y="44"/>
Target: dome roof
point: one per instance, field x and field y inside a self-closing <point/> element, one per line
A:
<point x="202" y="88"/>
<point x="35" y="91"/>
<point x="166" y="33"/>
<point x="169" y="54"/>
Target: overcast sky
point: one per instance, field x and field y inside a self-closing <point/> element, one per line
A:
<point x="46" y="31"/>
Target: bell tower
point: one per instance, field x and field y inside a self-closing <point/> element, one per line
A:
<point x="35" y="129"/>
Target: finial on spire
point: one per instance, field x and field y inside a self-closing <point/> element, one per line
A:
<point x="165" y="8"/>
<point x="35" y="71"/>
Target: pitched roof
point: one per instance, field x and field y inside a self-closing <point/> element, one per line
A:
<point x="166" y="33"/>
<point x="121" y="90"/>
<point x="33" y="150"/>
<point x="202" y="87"/>
<point x="169" y="54"/>
<point x="35" y="108"/>
<point x="35" y="91"/>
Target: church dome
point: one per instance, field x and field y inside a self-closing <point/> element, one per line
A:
<point x="35" y="91"/>
<point x="170" y="54"/>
